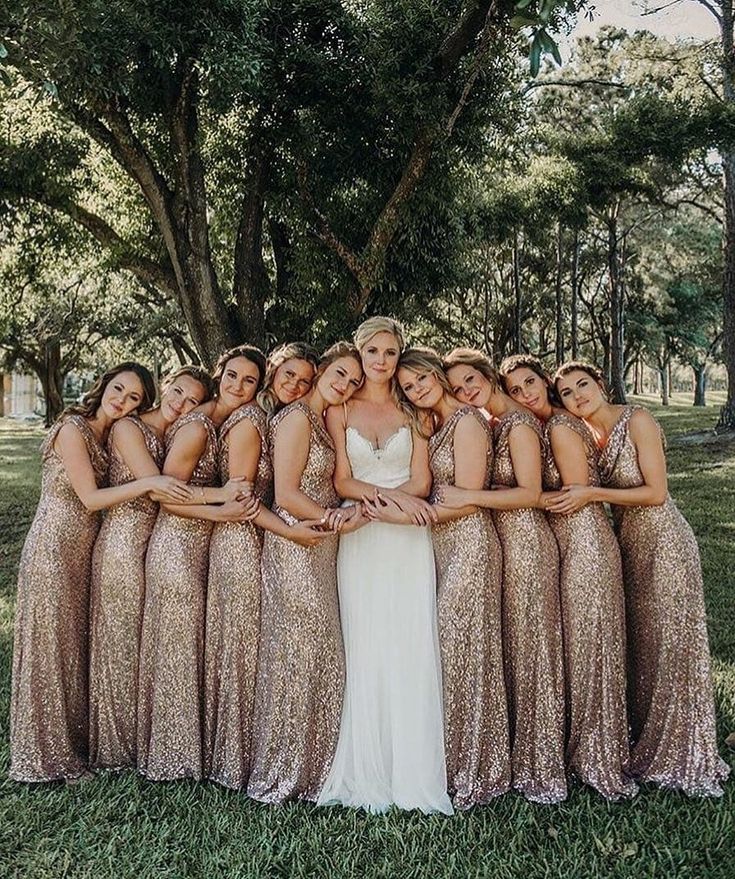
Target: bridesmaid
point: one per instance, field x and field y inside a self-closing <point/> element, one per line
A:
<point x="288" y="376"/>
<point x="591" y="583"/>
<point x="531" y="611"/>
<point x="135" y="449"/>
<point x="669" y="686"/>
<point x="170" y="680"/>
<point x="469" y="575"/>
<point x="49" y="704"/>
<point x="234" y="586"/>
<point x="301" y="665"/>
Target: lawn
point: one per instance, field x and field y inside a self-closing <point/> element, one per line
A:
<point x="120" y="826"/>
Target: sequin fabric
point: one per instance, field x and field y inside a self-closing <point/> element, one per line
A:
<point x="233" y="622"/>
<point x="171" y="674"/>
<point x="116" y="612"/>
<point x="593" y="622"/>
<point x="469" y="571"/>
<point x="670" y="696"/>
<point x="300" y="679"/>
<point x="532" y="639"/>
<point x="49" y="691"/>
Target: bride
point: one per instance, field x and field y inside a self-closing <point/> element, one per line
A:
<point x="391" y="740"/>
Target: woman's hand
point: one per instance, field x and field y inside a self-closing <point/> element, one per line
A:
<point x="355" y="521"/>
<point x="381" y="508"/>
<point x="169" y="490"/>
<point x="572" y="498"/>
<point x="452" y="497"/>
<point x="419" y="511"/>
<point x="236" y="488"/>
<point x="335" y="517"/>
<point x="309" y="532"/>
<point x="239" y="510"/>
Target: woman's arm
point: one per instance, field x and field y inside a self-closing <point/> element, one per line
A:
<point x="646" y="436"/>
<point x="72" y="449"/>
<point x="418" y="484"/>
<point x="470" y="465"/>
<point x="129" y="443"/>
<point x="525" y="454"/>
<point x="307" y="532"/>
<point x="570" y="457"/>
<point x="231" y="511"/>
<point x="290" y="454"/>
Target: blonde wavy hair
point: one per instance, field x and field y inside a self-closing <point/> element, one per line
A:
<point x="266" y="397"/>
<point x="381" y="324"/>
<point x="422" y="360"/>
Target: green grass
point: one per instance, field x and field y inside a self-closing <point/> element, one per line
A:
<point x="121" y="826"/>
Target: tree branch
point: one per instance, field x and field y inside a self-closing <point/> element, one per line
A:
<point x="573" y="83"/>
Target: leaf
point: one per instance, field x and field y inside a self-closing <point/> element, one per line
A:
<point x="5" y="77"/>
<point x="523" y="4"/>
<point x="50" y="89"/>
<point x="3" y="51"/>
<point x="535" y="56"/>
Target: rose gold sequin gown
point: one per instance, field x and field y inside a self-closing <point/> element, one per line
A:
<point x="593" y="620"/>
<point x="48" y="704"/>
<point x="171" y="674"/>
<point x="469" y="569"/>
<point x="233" y="622"/>
<point x="532" y="640"/>
<point x="116" y="613"/>
<point x="300" y="681"/>
<point x="670" y="697"/>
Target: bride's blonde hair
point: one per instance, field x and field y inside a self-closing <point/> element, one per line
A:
<point x="379" y="324"/>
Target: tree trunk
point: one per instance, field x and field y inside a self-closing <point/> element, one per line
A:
<point x="617" y="311"/>
<point x="575" y="293"/>
<point x="727" y="412"/>
<point x="52" y="381"/>
<point x="637" y="383"/>
<point x="723" y="11"/>
<point x="700" y="384"/>
<point x="664" y="373"/>
<point x="518" y="319"/>
<point x="559" y="315"/>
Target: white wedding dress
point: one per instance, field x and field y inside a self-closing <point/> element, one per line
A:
<point x="391" y="738"/>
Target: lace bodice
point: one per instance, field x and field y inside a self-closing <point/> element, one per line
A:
<point x="388" y="466"/>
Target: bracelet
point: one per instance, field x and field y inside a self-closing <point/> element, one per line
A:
<point x="204" y="499"/>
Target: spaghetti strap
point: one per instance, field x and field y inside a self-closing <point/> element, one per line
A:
<point x="344" y="415"/>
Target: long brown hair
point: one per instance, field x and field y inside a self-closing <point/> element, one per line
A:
<point x="528" y="361"/>
<point x="266" y="397"/>
<point x="249" y="352"/>
<point x="594" y="372"/>
<point x="93" y="397"/>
